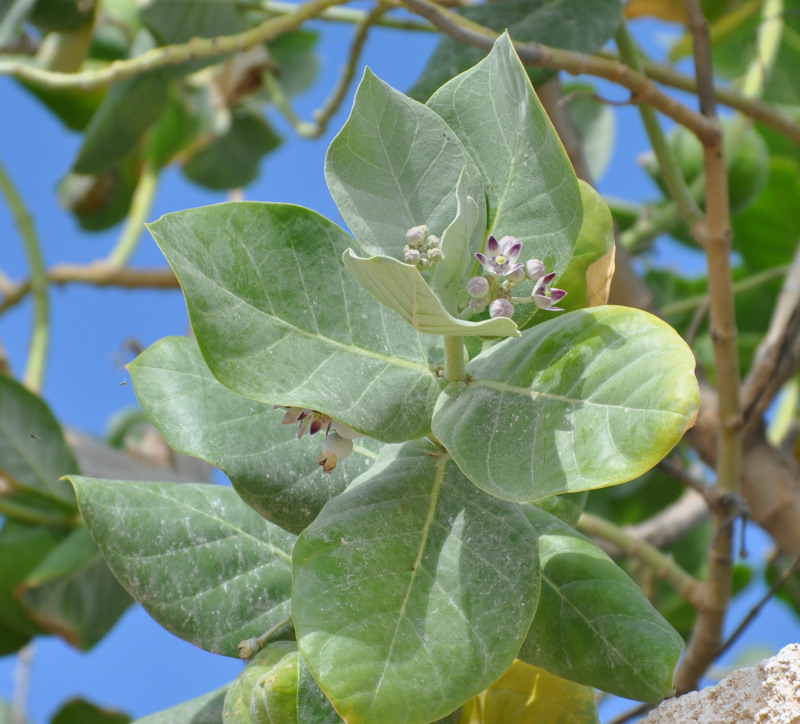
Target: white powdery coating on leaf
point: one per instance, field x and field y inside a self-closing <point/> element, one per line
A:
<point x="765" y="694"/>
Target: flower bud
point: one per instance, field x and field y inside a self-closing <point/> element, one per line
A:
<point x="344" y="431"/>
<point x="412" y="256"/>
<point x="248" y="648"/>
<point x="434" y="255"/>
<point x="516" y="276"/>
<point x="334" y="448"/>
<point x="478" y="287"/>
<point x="415" y="236"/>
<point x="432" y="241"/>
<point x="477" y="305"/>
<point x="501" y="308"/>
<point x="534" y="269"/>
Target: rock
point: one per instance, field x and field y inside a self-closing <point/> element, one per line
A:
<point x="765" y="694"/>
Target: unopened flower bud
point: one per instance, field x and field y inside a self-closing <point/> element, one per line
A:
<point x="334" y="448"/>
<point x="412" y="256"/>
<point x="344" y="431"/>
<point x="415" y="236"/>
<point x="478" y="287"/>
<point x="478" y="305"/>
<point x="516" y="276"/>
<point x="432" y="241"/>
<point x="501" y="308"/>
<point x="434" y="255"/>
<point x="534" y="269"/>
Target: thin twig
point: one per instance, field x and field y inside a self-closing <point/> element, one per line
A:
<point x="22" y="684"/>
<point x="351" y="16"/>
<point x="776" y="359"/>
<point x="661" y="564"/>
<point x="169" y="54"/>
<point x="748" y="619"/>
<point x="40" y="337"/>
<point x="643" y="89"/>
<point x="715" y="233"/>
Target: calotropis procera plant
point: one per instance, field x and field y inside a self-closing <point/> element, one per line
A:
<point x="400" y="581"/>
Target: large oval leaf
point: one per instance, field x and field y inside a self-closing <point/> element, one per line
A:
<point x="412" y="590"/>
<point x="280" y="320"/>
<point x="531" y="189"/>
<point x="594" y="625"/>
<point x="394" y="165"/>
<point x="273" y="471"/>
<point x="206" y="709"/>
<point x="204" y="565"/>
<point x="592" y="398"/>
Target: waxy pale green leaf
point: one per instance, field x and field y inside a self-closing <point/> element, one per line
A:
<point x="273" y="471"/>
<point x="402" y="288"/>
<point x="206" y="709"/>
<point x="395" y="165"/>
<point x="204" y="565"/>
<point x="531" y="189"/>
<point x="593" y="624"/>
<point x="590" y="398"/>
<point x="178" y="21"/>
<point x="278" y="318"/>
<point x="588" y="275"/>
<point x="72" y="592"/>
<point x="451" y="273"/>
<point x="33" y="455"/>
<point x="412" y="590"/>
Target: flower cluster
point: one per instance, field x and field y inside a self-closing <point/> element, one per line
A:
<point x="502" y="271"/>
<point x="338" y="441"/>
<point x="422" y="248"/>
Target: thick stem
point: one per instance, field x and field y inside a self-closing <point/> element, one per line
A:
<point x="454" y="366"/>
<point x="40" y="338"/>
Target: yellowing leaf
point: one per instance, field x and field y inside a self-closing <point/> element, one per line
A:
<point x="664" y="9"/>
<point x="598" y="278"/>
<point x="526" y="694"/>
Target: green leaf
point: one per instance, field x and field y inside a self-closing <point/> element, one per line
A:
<point x="266" y="691"/>
<point x="130" y="107"/>
<point x="33" y="453"/>
<point x="596" y="125"/>
<point x="279" y="319"/>
<point x="297" y="63"/>
<point x="588" y="399"/>
<point x="593" y="624"/>
<point x="588" y="275"/>
<point x="312" y="704"/>
<point x="583" y="25"/>
<point x="206" y="709"/>
<point x="22" y="548"/>
<point x="72" y="593"/>
<point x="451" y="273"/>
<point x="531" y="189"/>
<point x="13" y="14"/>
<point x="204" y="565"/>
<point x="395" y="165"/>
<point x="273" y="471"/>
<point x="80" y="711"/>
<point x="526" y="694"/>
<point x="233" y="159"/>
<point x="178" y="21"/>
<point x="402" y="288"/>
<point x="412" y="589"/>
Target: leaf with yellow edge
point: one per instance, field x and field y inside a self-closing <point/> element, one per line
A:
<point x="526" y="694"/>
<point x="402" y="288"/>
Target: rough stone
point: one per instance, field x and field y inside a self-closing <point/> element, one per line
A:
<point x="765" y="694"/>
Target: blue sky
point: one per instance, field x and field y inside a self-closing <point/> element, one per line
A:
<point x="139" y="667"/>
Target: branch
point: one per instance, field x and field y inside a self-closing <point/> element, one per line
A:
<point x="141" y="203"/>
<point x="777" y="357"/>
<point x="715" y="232"/>
<point x="643" y="90"/>
<point x="99" y="274"/>
<point x="40" y="338"/>
<point x="661" y="564"/>
<point x="169" y="54"/>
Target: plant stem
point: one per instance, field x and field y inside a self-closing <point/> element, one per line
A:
<point x="454" y="367"/>
<point x="349" y="15"/>
<point x="170" y="54"/>
<point x="661" y="564"/>
<point x="670" y="170"/>
<point x="40" y="337"/>
<point x="141" y="203"/>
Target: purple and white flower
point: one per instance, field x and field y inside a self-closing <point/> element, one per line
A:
<point x="501" y="256"/>
<point x="545" y="296"/>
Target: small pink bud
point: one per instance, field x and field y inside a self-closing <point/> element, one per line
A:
<point x="534" y="269"/>
<point x="501" y="308"/>
<point x="478" y="287"/>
